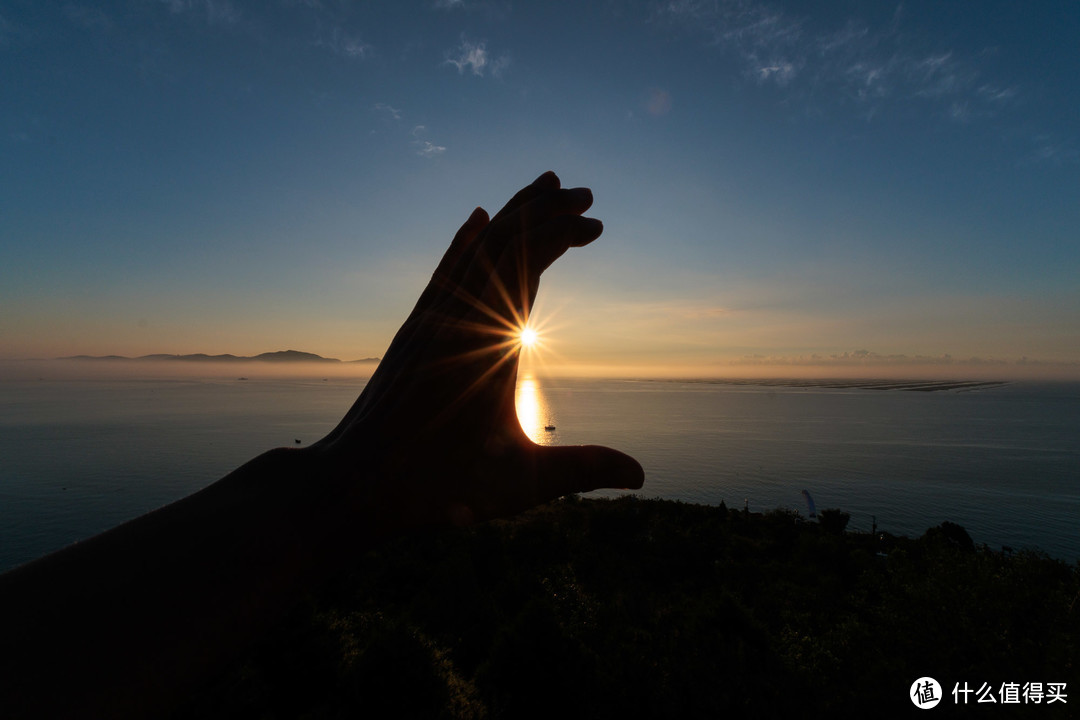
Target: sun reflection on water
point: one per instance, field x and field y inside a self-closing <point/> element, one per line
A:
<point x="533" y="411"/>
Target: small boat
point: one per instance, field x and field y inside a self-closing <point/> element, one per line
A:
<point x="549" y="428"/>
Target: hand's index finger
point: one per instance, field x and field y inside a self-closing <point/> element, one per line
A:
<point x="538" y="211"/>
<point x="547" y="182"/>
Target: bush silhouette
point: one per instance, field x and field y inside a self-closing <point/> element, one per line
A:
<point x="834" y="520"/>
<point x="949" y="534"/>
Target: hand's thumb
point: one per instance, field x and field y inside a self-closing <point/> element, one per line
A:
<point x="561" y="470"/>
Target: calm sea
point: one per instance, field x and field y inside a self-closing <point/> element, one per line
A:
<point x="77" y="457"/>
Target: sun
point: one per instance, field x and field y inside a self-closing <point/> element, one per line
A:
<point x="528" y="337"/>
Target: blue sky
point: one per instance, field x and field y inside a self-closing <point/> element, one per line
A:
<point x="834" y="187"/>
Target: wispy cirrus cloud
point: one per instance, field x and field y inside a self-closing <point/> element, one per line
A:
<point x="343" y="44"/>
<point x="425" y="148"/>
<point x="474" y="57"/>
<point x="1051" y="150"/>
<point x="781" y="73"/>
<point x="866" y="66"/>
<point x="429" y="149"/>
<point x="940" y="75"/>
<point x="389" y="111"/>
<point x="416" y="138"/>
<point x="997" y="95"/>
<point x="768" y="41"/>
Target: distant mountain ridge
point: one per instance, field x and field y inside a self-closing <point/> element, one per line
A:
<point x="279" y="356"/>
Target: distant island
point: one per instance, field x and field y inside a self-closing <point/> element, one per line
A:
<point x="280" y="356"/>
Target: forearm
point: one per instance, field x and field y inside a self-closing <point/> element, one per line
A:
<point x="127" y="619"/>
<point x="120" y="624"/>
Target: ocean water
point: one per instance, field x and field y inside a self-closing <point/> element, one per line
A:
<point x="80" y="456"/>
<point x="1004" y="461"/>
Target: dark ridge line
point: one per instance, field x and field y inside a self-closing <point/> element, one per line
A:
<point x="279" y="356"/>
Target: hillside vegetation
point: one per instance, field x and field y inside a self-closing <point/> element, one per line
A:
<point x="649" y="608"/>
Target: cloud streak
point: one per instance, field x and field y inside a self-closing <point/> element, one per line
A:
<point x="425" y="148"/>
<point x="345" y="45"/>
<point x="867" y="66"/>
<point x="1053" y="150"/>
<point x="429" y="149"/>
<point x="474" y="58"/>
<point x="392" y="112"/>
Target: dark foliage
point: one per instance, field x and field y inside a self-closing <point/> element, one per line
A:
<point x="635" y="608"/>
<point x="833" y="520"/>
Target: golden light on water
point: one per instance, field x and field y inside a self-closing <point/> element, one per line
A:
<point x="516" y="337"/>
<point x="533" y="411"/>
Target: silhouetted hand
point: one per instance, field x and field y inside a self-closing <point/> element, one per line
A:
<point x="128" y="620"/>
<point x="434" y="437"/>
